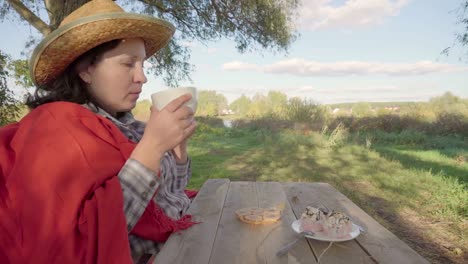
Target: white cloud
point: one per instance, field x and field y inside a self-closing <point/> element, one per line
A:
<point x="248" y="90"/>
<point x="322" y="14"/>
<point x="305" y="89"/>
<point x="305" y="68"/>
<point x="240" y="66"/>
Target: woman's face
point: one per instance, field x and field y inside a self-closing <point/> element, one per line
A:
<point x="115" y="80"/>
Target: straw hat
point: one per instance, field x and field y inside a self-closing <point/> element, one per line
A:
<point x="94" y="23"/>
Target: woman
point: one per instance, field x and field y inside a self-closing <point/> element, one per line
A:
<point x="81" y="180"/>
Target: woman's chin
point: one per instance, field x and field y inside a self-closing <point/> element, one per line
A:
<point x="126" y="108"/>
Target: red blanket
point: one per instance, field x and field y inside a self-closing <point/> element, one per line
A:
<point x="60" y="198"/>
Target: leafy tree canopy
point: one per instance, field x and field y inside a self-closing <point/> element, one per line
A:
<point x="210" y="103"/>
<point x="252" y="24"/>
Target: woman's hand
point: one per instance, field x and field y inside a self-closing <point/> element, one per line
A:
<point x="180" y="151"/>
<point x="165" y="130"/>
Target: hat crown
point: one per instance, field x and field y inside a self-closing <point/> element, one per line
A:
<point x="91" y="8"/>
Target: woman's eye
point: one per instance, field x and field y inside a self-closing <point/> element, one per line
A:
<point x="128" y="64"/>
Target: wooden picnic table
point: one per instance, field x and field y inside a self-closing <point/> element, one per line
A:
<point x="222" y="238"/>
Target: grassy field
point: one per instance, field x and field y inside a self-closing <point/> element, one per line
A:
<point x="413" y="184"/>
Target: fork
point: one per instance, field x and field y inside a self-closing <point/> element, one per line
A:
<point x="282" y="251"/>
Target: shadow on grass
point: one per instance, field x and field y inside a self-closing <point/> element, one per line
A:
<point x="379" y="186"/>
<point x="412" y="162"/>
<point x="354" y="172"/>
<point x="385" y="213"/>
<point x="209" y="157"/>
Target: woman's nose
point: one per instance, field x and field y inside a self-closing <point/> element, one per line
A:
<point x="140" y="76"/>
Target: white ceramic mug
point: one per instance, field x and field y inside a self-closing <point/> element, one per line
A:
<point x="162" y="98"/>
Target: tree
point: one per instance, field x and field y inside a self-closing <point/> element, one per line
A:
<point x="210" y="103"/>
<point x="259" y="106"/>
<point x="448" y="103"/>
<point x="252" y="24"/>
<point x="461" y="37"/>
<point x="277" y="102"/>
<point x="241" y="105"/>
<point x="9" y="108"/>
<point x="361" y="109"/>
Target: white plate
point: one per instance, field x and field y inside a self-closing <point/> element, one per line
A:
<point x="296" y="226"/>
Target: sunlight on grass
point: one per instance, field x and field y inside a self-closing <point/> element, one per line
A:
<point x="384" y="179"/>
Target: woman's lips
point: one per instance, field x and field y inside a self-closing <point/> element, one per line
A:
<point x="135" y="95"/>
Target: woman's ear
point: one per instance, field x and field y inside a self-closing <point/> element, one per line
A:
<point x="84" y="71"/>
<point x="85" y="76"/>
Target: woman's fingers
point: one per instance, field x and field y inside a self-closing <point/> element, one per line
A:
<point x="190" y="129"/>
<point x="184" y="112"/>
<point x="178" y="102"/>
<point x="185" y="123"/>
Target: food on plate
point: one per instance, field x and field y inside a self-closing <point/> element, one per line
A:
<point x="326" y="222"/>
<point x="255" y="215"/>
<point x="312" y="219"/>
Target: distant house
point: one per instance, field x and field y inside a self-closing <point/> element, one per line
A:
<point x="393" y="108"/>
<point x="227" y="112"/>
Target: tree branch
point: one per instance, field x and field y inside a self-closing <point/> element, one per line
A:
<point x="58" y="10"/>
<point x="29" y="16"/>
<point x="158" y="5"/>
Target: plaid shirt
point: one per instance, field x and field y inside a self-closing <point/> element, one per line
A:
<point x="140" y="183"/>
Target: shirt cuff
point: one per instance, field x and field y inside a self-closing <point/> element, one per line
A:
<point x="183" y="169"/>
<point x="139" y="185"/>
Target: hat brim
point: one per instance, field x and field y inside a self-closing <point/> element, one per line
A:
<point x="61" y="47"/>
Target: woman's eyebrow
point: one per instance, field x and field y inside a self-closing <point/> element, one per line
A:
<point x="132" y="57"/>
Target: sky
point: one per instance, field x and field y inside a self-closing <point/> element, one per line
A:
<point x="347" y="51"/>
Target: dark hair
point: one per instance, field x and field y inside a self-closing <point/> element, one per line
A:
<point x="68" y="86"/>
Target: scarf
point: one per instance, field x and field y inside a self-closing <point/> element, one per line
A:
<point x="60" y="198"/>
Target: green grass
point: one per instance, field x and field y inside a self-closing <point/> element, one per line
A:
<point x="385" y="174"/>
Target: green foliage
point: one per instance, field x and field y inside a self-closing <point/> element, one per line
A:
<point x="449" y="104"/>
<point x="361" y="109"/>
<point x="266" y="123"/>
<point x="337" y="136"/>
<point x="20" y="69"/>
<point x="442" y="115"/>
<point x="306" y="111"/>
<point x="424" y="177"/>
<point x="241" y="105"/>
<point x="9" y="106"/>
<point x="210" y="103"/>
<point x="277" y="102"/>
<point x="461" y="37"/>
<point x="300" y="110"/>
<point x="259" y="106"/>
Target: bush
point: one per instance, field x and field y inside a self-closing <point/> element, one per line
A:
<point x="444" y="124"/>
<point x="263" y="123"/>
<point x="307" y="112"/>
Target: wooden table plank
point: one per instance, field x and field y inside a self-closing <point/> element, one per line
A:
<point x="381" y="244"/>
<point x="234" y="239"/>
<point x="205" y="208"/>
<point x="271" y="194"/>
<point x="222" y="238"/>
<point x="304" y="194"/>
<point x="238" y="242"/>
